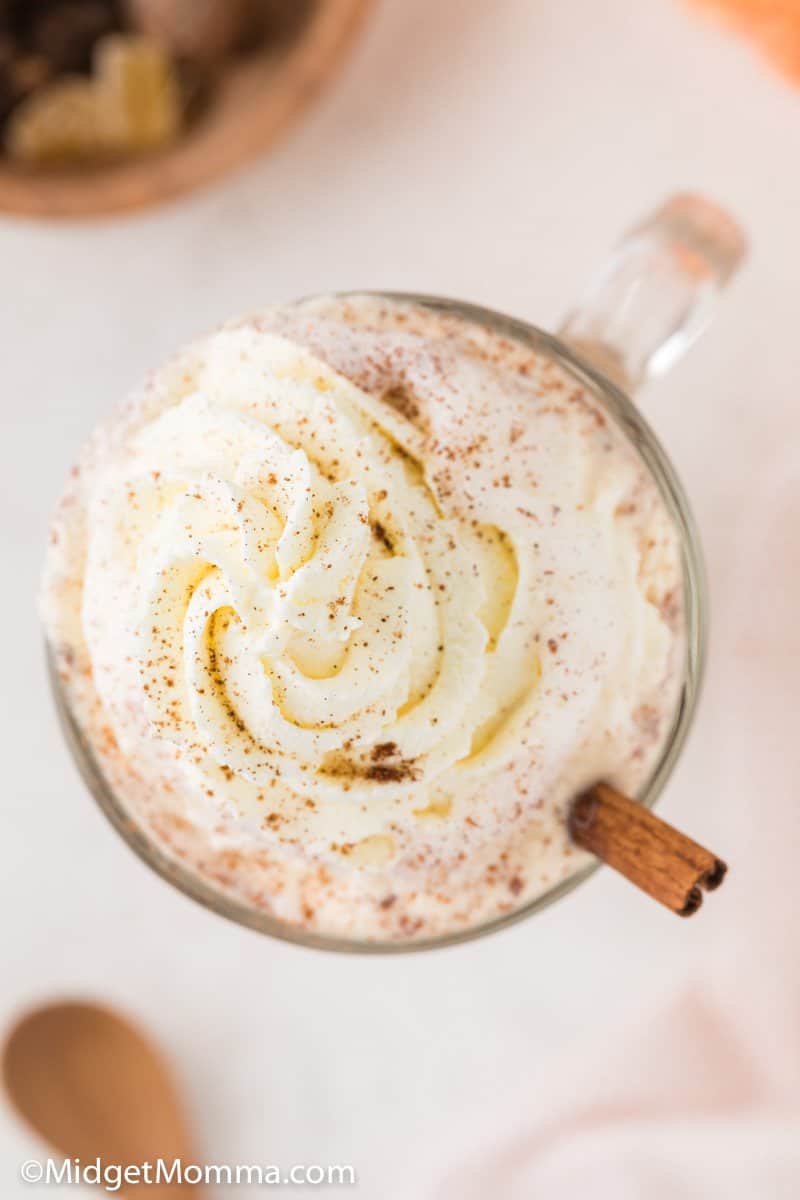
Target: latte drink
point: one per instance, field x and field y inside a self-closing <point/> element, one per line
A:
<point x="350" y="600"/>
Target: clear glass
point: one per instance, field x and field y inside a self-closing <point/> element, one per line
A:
<point x="657" y="293"/>
<point x="645" y="309"/>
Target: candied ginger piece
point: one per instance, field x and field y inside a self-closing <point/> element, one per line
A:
<point x="138" y="91"/>
<point x="58" y="123"/>
<point x="132" y="103"/>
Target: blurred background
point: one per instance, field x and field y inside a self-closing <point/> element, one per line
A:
<point x="492" y="152"/>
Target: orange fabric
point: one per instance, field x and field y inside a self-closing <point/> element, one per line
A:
<point x="774" y="26"/>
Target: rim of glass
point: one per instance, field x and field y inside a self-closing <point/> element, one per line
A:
<point x="630" y="420"/>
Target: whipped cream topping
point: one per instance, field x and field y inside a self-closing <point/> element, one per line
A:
<point x="351" y="601"/>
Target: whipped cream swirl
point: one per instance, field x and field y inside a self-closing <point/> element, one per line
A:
<point x="306" y="612"/>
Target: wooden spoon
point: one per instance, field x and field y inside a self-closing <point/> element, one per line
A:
<point x="93" y="1086"/>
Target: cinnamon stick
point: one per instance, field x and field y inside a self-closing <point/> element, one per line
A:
<point x="659" y="859"/>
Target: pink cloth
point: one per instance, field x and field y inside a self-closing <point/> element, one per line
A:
<point x="702" y="1100"/>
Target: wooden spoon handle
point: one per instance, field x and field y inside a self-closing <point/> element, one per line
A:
<point x="662" y="861"/>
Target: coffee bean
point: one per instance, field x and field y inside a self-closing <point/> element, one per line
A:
<point x="64" y="32"/>
<point x="20" y="74"/>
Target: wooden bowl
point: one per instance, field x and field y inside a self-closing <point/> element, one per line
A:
<point x="253" y="102"/>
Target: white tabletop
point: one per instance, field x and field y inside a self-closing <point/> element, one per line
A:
<point x="487" y="151"/>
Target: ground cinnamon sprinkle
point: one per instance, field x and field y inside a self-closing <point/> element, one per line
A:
<point x="384" y="750"/>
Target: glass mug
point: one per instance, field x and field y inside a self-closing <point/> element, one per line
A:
<point x="644" y="310"/>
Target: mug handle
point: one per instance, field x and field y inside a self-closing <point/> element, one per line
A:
<point x="657" y="293"/>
